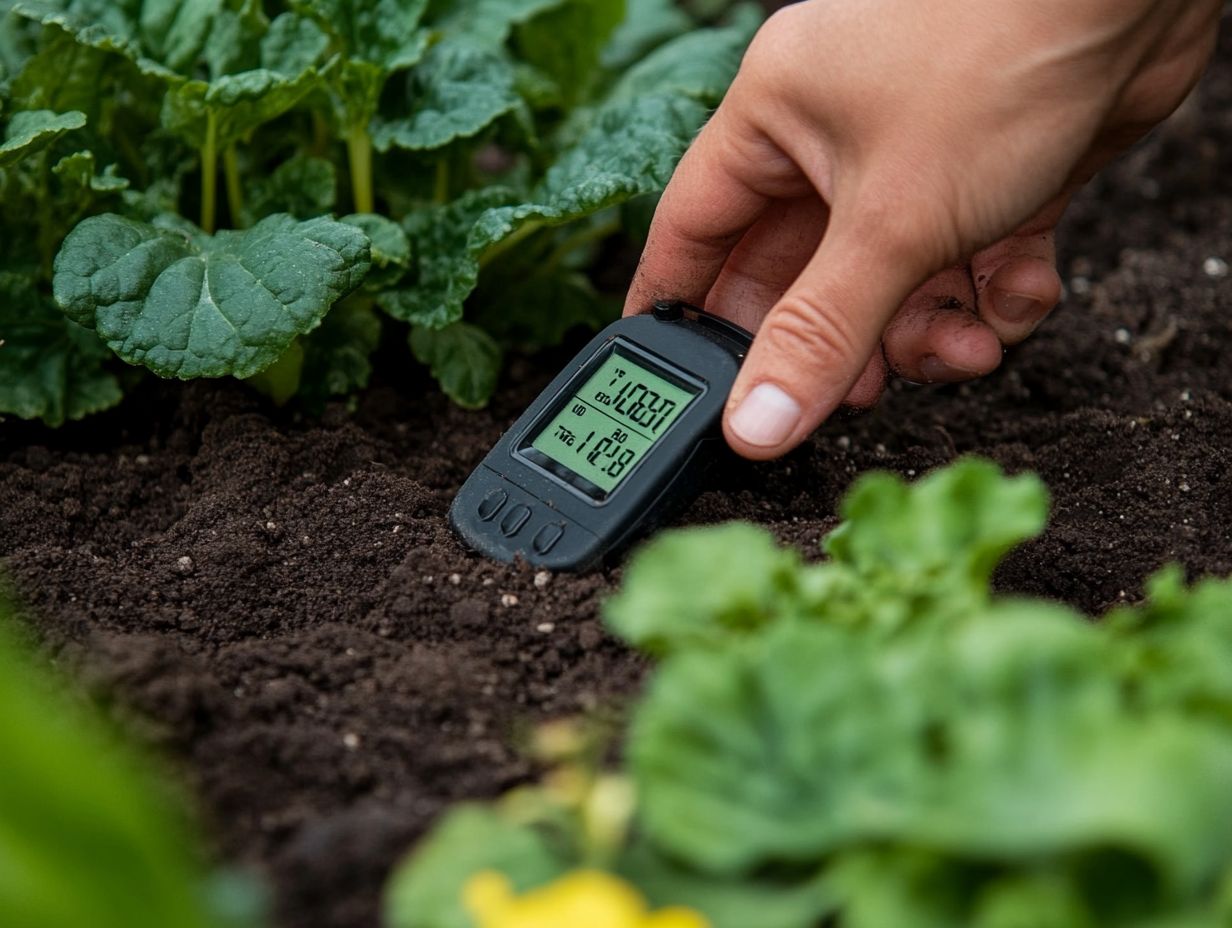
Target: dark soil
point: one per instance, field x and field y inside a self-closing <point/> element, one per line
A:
<point x="278" y="605"/>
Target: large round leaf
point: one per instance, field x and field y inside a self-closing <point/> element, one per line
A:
<point x="190" y="305"/>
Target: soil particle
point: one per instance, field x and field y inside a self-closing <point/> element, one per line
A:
<point x="278" y="605"/>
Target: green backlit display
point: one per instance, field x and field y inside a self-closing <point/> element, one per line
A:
<point x="610" y="423"/>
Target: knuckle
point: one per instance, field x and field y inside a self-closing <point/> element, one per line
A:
<point x="804" y="327"/>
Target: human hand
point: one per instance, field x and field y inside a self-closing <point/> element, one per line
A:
<point x="888" y="172"/>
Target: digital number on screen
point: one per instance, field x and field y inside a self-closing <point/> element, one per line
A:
<point x="612" y="421"/>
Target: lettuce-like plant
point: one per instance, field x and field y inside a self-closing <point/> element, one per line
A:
<point x="878" y="739"/>
<point x="485" y="149"/>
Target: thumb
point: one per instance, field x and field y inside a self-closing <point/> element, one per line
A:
<point x="817" y="340"/>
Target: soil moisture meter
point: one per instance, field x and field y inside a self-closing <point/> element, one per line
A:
<point x="616" y="443"/>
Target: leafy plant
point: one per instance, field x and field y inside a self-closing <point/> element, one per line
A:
<point x="878" y="740"/>
<point x="88" y="836"/>
<point x="484" y="157"/>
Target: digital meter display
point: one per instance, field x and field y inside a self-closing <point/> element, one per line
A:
<point x="610" y="423"/>
<point x="614" y="446"/>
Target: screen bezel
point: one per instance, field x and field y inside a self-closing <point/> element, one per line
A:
<point x="525" y="451"/>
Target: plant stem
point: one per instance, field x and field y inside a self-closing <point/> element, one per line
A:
<point x="209" y="175"/>
<point x="359" y="151"/>
<point x="516" y="238"/>
<point x="440" y="193"/>
<point x="320" y="135"/>
<point x="582" y="237"/>
<point x="235" y="190"/>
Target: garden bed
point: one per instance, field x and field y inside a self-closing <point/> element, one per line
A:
<point x="278" y="604"/>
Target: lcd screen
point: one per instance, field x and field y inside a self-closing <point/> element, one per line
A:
<point x="612" y="421"/>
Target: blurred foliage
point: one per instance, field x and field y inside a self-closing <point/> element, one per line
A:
<point x="89" y="835"/>
<point x="878" y="740"/>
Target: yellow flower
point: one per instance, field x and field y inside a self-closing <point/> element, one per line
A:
<point x="581" y="899"/>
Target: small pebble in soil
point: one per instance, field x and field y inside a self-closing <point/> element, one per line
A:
<point x="455" y="579"/>
<point x="542" y="579"/>
<point x="184" y="564"/>
<point x="1215" y="267"/>
<point x="350" y="740"/>
<point x="508" y="599"/>
<point x="1122" y="336"/>
<point x="546" y="627"/>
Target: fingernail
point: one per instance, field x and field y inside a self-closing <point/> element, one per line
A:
<point x="934" y="370"/>
<point x="766" y="417"/>
<point x="1016" y="307"/>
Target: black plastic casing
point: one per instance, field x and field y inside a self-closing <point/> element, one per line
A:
<point x="510" y="506"/>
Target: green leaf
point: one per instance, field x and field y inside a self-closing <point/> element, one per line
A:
<point x="390" y="245"/>
<point x="463" y="358"/>
<point x="304" y="186"/>
<point x="293" y="45"/>
<point x="381" y="32"/>
<point x="100" y="25"/>
<point x="88" y="835"/>
<point x="425" y="890"/>
<point x="446" y="268"/>
<point x="646" y="25"/>
<point x="631" y="149"/>
<point x="238" y="103"/>
<point x="32" y="131"/>
<point x="699" y="64"/>
<point x="63" y="76"/>
<point x="511" y="307"/>
<point x="338" y="355"/>
<point x="572" y="64"/>
<point x="458" y="90"/>
<point x="391" y="248"/>
<point x="958" y="522"/>
<point x="190" y="305"/>
<point x="728" y="903"/>
<point x="176" y="33"/>
<point x="18" y="42"/>
<point x="50" y="368"/>
<point x="490" y="21"/>
<point x="1004" y="742"/>
<point x="1175" y="646"/>
<point x="698" y="587"/>
<point x="79" y="174"/>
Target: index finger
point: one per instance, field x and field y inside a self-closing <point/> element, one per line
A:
<point x="706" y="209"/>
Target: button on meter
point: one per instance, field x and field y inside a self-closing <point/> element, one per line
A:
<point x="615" y="444"/>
